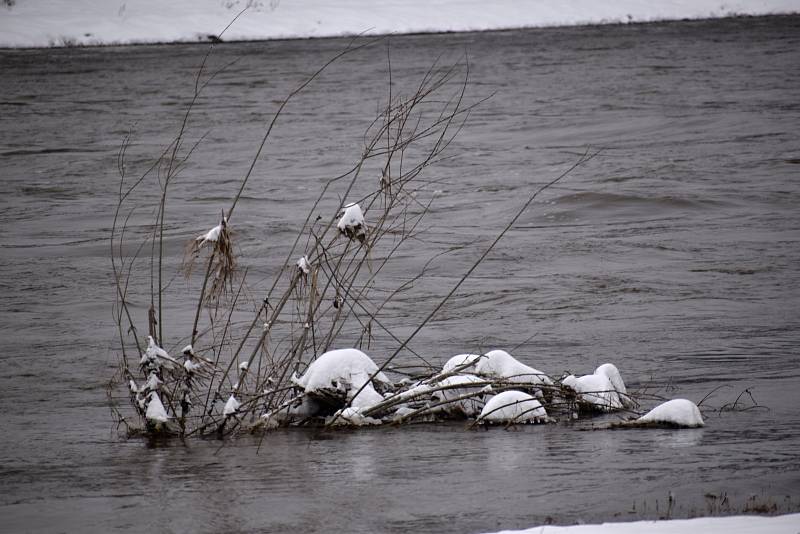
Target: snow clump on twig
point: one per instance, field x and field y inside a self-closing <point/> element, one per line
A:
<point x="302" y="265"/>
<point x="156" y="414"/>
<point x="352" y="224"/>
<point x="231" y="407"/>
<point x="212" y="236"/>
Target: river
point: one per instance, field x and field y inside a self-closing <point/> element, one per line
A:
<point x="675" y="253"/>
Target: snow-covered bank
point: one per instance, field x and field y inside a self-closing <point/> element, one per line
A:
<point x="42" y="23"/>
<point x="783" y="524"/>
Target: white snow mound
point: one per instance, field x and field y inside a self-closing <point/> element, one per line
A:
<point x="500" y="364"/>
<point x="366" y="399"/>
<point x="458" y="360"/>
<point x="343" y="370"/>
<point x="610" y="370"/>
<point x="679" y="412"/>
<point x="513" y="407"/>
<point x="595" y="390"/>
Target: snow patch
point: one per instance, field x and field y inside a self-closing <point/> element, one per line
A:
<point x="680" y="412"/>
<point x="596" y="391"/>
<point x="352" y="417"/>
<point x="43" y="23"/>
<point x="345" y="370"/>
<point x="367" y="398"/>
<point x="151" y="356"/>
<point x="459" y="360"/>
<point x="513" y="407"/>
<point x="610" y="370"/>
<point x="784" y="524"/>
<point x="212" y="236"/>
<point x="155" y="410"/>
<point x="469" y="407"/>
<point x="500" y="364"/>
<point x="191" y="366"/>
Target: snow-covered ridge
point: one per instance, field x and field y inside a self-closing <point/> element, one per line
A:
<point x="43" y="23"/>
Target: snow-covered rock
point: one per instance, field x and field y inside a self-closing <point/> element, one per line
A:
<point x="469" y="407"/>
<point x="352" y="223"/>
<point x="500" y="364"/>
<point x="513" y="407"/>
<point x="596" y="391"/>
<point x="679" y="412"/>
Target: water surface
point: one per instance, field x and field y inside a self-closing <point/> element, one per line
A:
<point x="674" y="254"/>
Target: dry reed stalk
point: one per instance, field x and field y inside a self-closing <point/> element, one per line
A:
<point x="302" y="314"/>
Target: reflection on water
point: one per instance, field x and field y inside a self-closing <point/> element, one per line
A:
<point x="673" y="254"/>
<point x="679" y="440"/>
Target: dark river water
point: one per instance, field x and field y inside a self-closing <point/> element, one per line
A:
<point x="675" y="254"/>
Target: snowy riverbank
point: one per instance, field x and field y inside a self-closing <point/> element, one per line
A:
<point x="783" y="524"/>
<point x="42" y="23"/>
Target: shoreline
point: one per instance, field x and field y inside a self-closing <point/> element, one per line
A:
<point x="46" y="40"/>
<point x="737" y="524"/>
